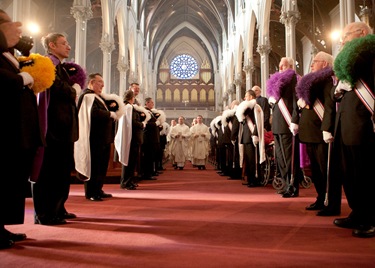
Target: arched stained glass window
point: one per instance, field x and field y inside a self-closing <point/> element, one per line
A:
<point x="184" y="66"/>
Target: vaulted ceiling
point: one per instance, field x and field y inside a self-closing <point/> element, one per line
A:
<point x="209" y="17"/>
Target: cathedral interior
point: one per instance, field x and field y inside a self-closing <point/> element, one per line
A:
<point x="192" y="56"/>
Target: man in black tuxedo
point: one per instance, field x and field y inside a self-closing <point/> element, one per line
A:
<point x="21" y="132"/>
<point x="58" y="110"/>
<point x="263" y="103"/>
<point x="249" y="124"/>
<point x="151" y="141"/>
<point x="285" y="118"/>
<point x="97" y="114"/>
<point x="354" y="134"/>
<point x="316" y="125"/>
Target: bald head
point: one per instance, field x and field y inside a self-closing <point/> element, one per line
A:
<point x="257" y="90"/>
<point x="286" y="63"/>
<point x="355" y="30"/>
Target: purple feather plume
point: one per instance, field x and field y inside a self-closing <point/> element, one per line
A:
<point x="305" y="84"/>
<point x="277" y="81"/>
<point x="76" y="73"/>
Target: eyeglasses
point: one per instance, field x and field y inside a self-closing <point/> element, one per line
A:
<point x="63" y="44"/>
<point x="315" y="61"/>
<point x="347" y="34"/>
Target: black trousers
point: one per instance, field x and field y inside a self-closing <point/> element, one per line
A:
<point x="99" y="165"/>
<point x="355" y="167"/>
<point x="51" y="190"/>
<point x="284" y="154"/>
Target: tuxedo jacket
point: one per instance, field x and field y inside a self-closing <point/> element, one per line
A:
<point x="101" y="125"/>
<point x="311" y="127"/>
<point x="288" y="94"/>
<point x="352" y="116"/>
<point x="62" y="109"/>
<point x="20" y="120"/>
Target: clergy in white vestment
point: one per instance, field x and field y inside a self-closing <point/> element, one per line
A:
<point x="179" y="135"/>
<point x="200" y="135"/>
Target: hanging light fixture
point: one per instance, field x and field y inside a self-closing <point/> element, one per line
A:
<point x="314" y="50"/>
<point x="365" y="13"/>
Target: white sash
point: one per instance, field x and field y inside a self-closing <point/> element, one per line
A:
<point x="285" y="112"/>
<point x="250" y="124"/>
<point x="319" y="109"/>
<point x="365" y="95"/>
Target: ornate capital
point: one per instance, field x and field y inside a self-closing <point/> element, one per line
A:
<point x="122" y="67"/>
<point x="225" y="96"/>
<point x="249" y="68"/>
<point x="237" y="82"/>
<point x="106" y="45"/>
<point x="231" y="88"/>
<point x="81" y="12"/>
<point x="290" y="17"/>
<point x="263" y="49"/>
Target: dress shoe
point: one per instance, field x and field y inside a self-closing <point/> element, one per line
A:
<point x="281" y="191"/>
<point x="68" y="215"/>
<point x="149" y="178"/>
<point x="6" y="243"/>
<point x="328" y="212"/>
<point x="130" y="187"/>
<point x="315" y="206"/>
<point x="253" y="184"/>
<point x="345" y="223"/>
<point x="46" y="221"/>
<point x="364" y="231"/>
<point x="290" y="194"/>
<point x="105" y="195"/>
<point x="95" y="198"/>
<point x="134" y="184"/>
<point x="15" y="236"/>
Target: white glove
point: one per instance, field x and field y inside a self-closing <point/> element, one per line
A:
<point x="78" y="89"/>
<point x="255" y="140"/>
<point x="271" y="100"/>
<point x="327" y="137"/>
<point x="233" y="142"/>
<point x="341" y="88"/>
<point x="27" y="79"/>
<point x="157" y="122"/>
<point x="293" y="128"/>
<point x="301" y="103"/>
<point x="113" y="115"/>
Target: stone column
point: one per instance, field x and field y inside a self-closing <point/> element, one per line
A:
<point x="82" y="13"/>
<point x="289" y="17"/>
<point x="264" y="51"/>
<point x="225" y="99"/>
<point x="122" y="67"/>
<point x="238" y="83"/>
<point x="218" y="90"/>
<point x="231" y="89"/>
<point x="107" y="47"/>
<point x="249" y="69"/>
